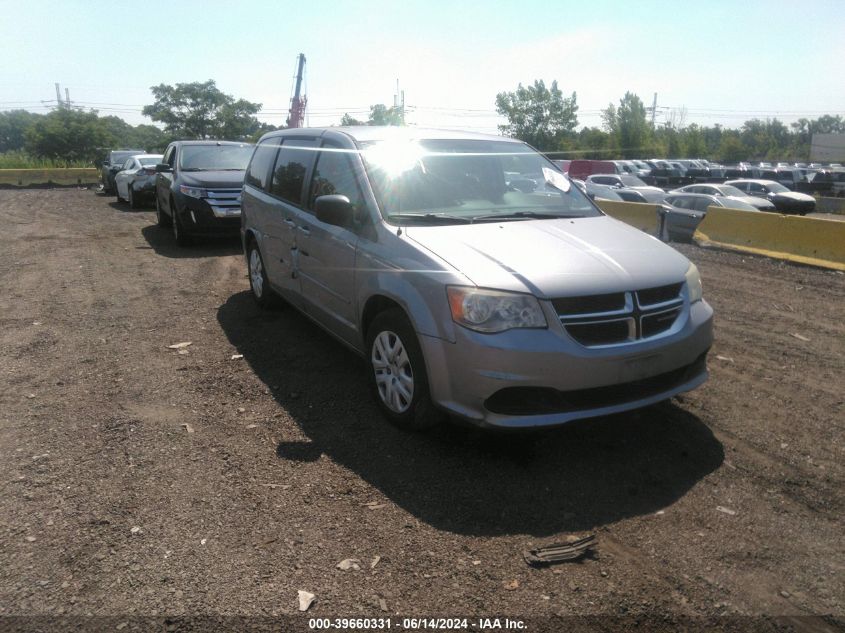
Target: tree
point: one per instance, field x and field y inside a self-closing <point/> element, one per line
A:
<point x="13" y="126"/>
<point x="540" y="116"/>
<point x="148" y="137"/>
<point x="68" y="134"/>
<point x="694" y="141"/>
<point x="348" y="120"/>
<point x="200" y="110"/>
<point x="731" y="148"/>
<point x="380" y="114"/>
<point x="628" y="124"/>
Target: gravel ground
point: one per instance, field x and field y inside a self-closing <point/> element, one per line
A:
<point x="141" y="482"/>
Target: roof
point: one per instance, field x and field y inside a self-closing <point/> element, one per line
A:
<point x="212" y="142"/>
<point x="405" y="133"/>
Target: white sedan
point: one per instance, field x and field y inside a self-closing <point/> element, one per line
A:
<point x="136" y="179"/>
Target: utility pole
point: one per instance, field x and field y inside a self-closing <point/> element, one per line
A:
<point x="296" y="116"/>
<point x="399" y="102"/>
<point x="58" y="96"/>
<point x="653" y="110"/>
<point x="67" y="98"/>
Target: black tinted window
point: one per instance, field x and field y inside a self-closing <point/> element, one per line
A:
<point x="258" y="174"/>
<point x="334" y="175"/>
<point x="295" y="156"/>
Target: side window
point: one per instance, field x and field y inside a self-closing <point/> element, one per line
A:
<point x="292" y="163"/>
<point x="128" y="164"/>
<point x="170" y="156"/>
<point x="701" y="204"/>
<point x="258" y="173"/>
<point x="334" y="175"/>
<point x="603" y="180"/>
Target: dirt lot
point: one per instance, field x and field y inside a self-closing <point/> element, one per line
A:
<point x="138" y="481"/>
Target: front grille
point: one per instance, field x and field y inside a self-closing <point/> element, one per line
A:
<point x="601" y="333"/>
<point x="611" y="319"/>
<point x="224" y="202"/>
<point x="587" y="305"/>
<point x="661" y="294"/>
<point x="544" y="400"/>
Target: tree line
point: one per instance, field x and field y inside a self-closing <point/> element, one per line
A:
<point x="547" y="119"/>
<point x="542" y="116"/>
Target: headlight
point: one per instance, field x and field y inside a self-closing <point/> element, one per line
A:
<point x="694" y="284"/>
<point x="194" y="192"/>
<point x="493" y="310"/>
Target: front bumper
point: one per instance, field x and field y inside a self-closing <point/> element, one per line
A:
<point x="541" y="378"/>
<point x="199" y="217"/>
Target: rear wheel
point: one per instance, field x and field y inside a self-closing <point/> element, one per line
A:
<point x="397" y="373"/>
<point x="258" y="284"/>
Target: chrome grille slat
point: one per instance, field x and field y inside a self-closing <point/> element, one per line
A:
<point x="643" y="319"/>
<point x="224" y="203"/>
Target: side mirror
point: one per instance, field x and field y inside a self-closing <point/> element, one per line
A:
<point x="163" y="167"/>
<point x="334" y="209"/>
<point x="106" y="163"/>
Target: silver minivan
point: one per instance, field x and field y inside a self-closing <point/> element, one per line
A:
<point x="471" y="276"/>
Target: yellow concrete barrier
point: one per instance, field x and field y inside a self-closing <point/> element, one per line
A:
<point x="637" y="214"/>
<point x="54" y="176"/>
<point x="805" y="240"/>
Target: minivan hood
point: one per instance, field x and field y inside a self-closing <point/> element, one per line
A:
<point x="554" y="258"/>
<point x="213" y="179"/>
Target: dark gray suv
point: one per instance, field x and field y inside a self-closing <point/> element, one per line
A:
<point x="472" y="277"/>
<point x="198" y="188"/>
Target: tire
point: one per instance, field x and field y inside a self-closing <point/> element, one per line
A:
<point x="133" y="202"/>
<point x="179" y="234"/>
<point x="398" y="376"/>
<point x="162" y="219"/>
<point x="260" y="289"/>
<point x="117" y="193"/>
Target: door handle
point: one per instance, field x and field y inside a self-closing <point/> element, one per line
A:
<point x="290" y="222"/>
<point x="305" y="230"/>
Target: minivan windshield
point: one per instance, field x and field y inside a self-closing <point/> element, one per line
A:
<point x="447" y="181"/>
<point x="215" y="157"/>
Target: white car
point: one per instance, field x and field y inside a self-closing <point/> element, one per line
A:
<point x="135" y="181"/>
<point x="727" y="191"/>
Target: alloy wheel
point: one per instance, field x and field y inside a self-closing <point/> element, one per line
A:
<point x="393" y="373"/>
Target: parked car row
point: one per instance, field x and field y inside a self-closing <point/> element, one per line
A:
<point x="823" y="180"/>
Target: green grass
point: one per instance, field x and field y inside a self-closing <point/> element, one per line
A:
<point x="20" y="160"/>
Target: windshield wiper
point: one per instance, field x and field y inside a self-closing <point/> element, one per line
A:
<point x="521" y="215"/>
<point x="429" y="218"/>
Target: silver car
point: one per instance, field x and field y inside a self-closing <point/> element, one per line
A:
<point x="467" y="296"/>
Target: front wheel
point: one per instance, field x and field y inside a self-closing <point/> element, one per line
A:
<point x="162" y="219"/>
<point x="179" y="234"/>
<point x="397" y="373"/>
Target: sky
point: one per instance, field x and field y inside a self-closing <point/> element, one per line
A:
<point x="722" y="61"/>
